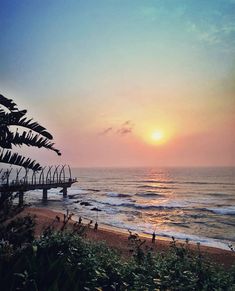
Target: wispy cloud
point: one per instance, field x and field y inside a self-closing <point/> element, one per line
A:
<point x="127" y="123"/>
<point x="106" y="131"/>
<point x="210" y="22"/>
<point x="213" y="34"/>
<point x="124" y="129"/>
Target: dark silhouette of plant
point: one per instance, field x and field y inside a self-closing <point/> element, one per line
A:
<point x="18" y="231"/>
<point x="136" y="244"/>
<point x="62" y="225"/>
<point x="33" y="134"/>
<point x="17" y="130"/>
<point x="65" y="261"/>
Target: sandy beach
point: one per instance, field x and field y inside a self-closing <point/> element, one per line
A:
<point x="119" y="240"/>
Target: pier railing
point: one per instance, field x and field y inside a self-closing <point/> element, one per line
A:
<point x="14" y="184"/>
<point x="47" y="178"/>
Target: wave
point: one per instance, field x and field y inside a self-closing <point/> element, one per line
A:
<point x="184" y="182"/>
<point x="77" y="191"/>
<point x="194" y="238"/>
<point x="115" y="194"/>
<point x="169" y="234"/>
<point x="206" y="183"/>
<point x="230" y="210"/>
<point x="217" y="194"/>
<point x="92" y="190"/>
<point x="228" y="223"/>
<point x="142" y="206"/>
<point x="158" y="181"/>
<point x="182" y="224"/>
<point x="154" y="187"/>
<point x="149" y="194"/>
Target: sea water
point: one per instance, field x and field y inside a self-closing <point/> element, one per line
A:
<point x="193" y="203"/>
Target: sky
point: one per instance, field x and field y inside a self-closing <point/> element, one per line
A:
<point x="124" y="83"/>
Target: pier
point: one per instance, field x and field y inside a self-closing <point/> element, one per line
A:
<point x="47" y="178"/>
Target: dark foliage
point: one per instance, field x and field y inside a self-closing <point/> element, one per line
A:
<point x="34" y="135"/>
<point x="18" y="231"/>
<point x="65" y="261"/>
<point x="8" y="157"/>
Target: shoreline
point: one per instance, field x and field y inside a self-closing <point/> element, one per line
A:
<point x="118" y="239"/>
<point x="180" y="237"/>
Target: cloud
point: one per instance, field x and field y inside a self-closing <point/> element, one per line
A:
<point x="106" y="131"/>
<point x="214" y="34"/>
<point x="212" y="25"/>
<point x="126" y="128"/>
<point x="127" y="123"/>
<point x="123" y="131"/>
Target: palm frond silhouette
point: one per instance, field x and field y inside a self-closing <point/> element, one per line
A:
<point x="31" y="134"/>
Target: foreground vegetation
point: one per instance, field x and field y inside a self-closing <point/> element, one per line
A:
<point x="64" y="260"/>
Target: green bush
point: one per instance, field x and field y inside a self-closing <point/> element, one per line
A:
<point x="66" y="261"/>
<point x="18" y="231"/>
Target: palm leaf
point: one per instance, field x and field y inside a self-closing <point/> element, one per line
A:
<point x="13" y="117"/>
<point x="34" y="126"/>
<point x="37" y="135"/>
<point x="4" y="133"/>
<point x="15" y="159"/>
<point x="31" y="139"/>
<point x="16" y="117"/>
<point x="8" y="103"/>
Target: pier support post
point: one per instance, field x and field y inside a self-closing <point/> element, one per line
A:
<point x="65" y="192"/>
<point x="21" y="198"/>
<point x="44" y="194"/>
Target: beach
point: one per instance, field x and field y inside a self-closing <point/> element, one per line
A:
<point x="119" y="240"/>
<point x="187" y="203"/>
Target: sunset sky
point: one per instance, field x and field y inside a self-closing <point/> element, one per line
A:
<point x="125" y="82"/>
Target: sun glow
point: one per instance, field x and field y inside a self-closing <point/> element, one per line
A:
<point x="157" y="137"/>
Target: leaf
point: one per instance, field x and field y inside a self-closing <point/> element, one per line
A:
<point x="35" y="135"/>
<point x="8" y="103"/>
<point x="15" y="159"/>
<point x="31" y="139"/>
<point x="35" y="127"/>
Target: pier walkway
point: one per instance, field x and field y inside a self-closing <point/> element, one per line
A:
<point x="54" y="178"/>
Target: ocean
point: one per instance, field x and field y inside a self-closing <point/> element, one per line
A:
<point x="193" y="203"/>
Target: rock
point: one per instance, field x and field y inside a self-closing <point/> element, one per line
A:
<point x="93" y="190"/>
<point x="95" y="209"/>
<point x="85" y="203"/>
<point x="73" y="196"/>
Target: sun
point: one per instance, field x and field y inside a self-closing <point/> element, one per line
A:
<point x="157" y="137"/>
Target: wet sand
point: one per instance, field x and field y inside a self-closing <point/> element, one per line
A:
<point x="119" y="240"/>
